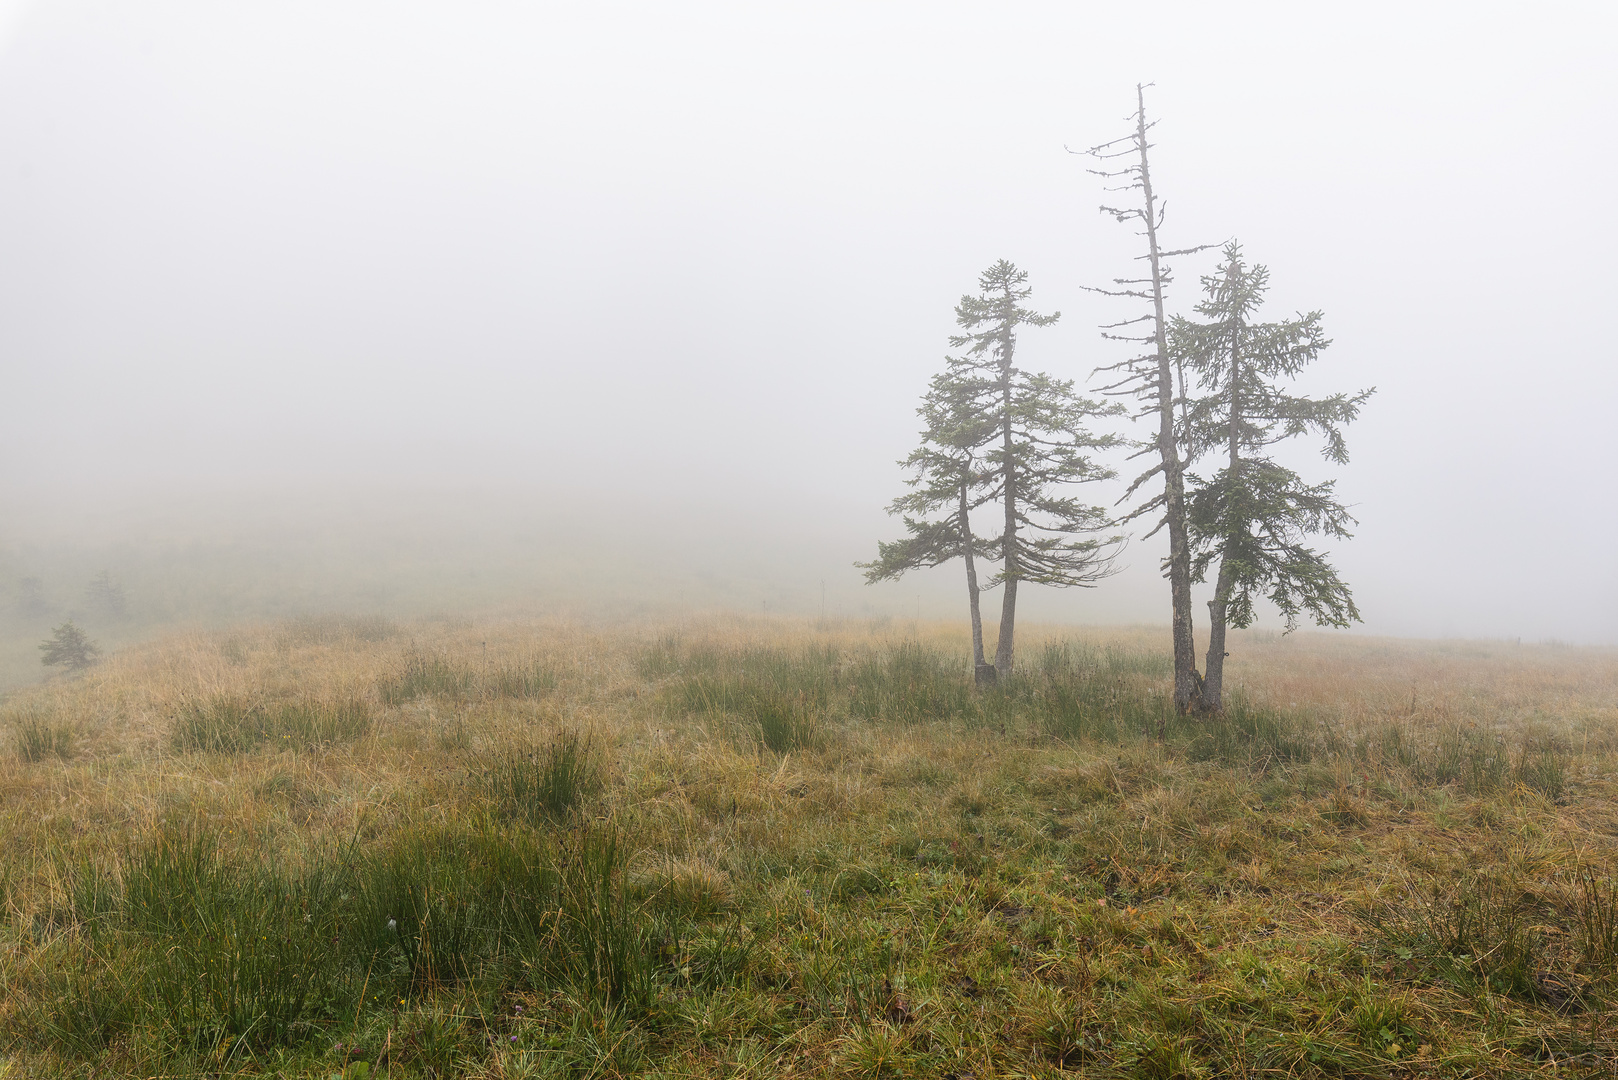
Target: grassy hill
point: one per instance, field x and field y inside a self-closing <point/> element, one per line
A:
<point x="722" y="847"/>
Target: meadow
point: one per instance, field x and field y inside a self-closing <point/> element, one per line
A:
<point x="732" y="847"/>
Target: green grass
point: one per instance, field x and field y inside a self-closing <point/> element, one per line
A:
<point x="195" y="947"/>
<point x="39" y="734"/>
<point x="546" y="784"/>
<point x="230" y="724"/>
<point x="824" y="855"/>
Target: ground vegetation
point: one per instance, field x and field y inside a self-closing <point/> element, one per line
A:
<point x="734" y="847"/>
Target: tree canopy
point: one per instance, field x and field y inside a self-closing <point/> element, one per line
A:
<point x="1251" y="518"/>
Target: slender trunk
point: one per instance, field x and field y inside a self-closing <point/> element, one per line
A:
<point x="1008" y="621"/>
<point x="1187" y="683"/>
<point x="1008" y="541"/>
<point x="1213" y="685"/>
<point x="982" y="673"/>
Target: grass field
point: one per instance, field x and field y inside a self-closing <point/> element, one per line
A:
<point x="355" y="848"/>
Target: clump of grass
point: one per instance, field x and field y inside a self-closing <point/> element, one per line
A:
<point x="428" y="676"/>
<point x="908" y="685"/>
<point x="212" y="949"/>
<point x="785" y="723"/>
<point x="1595" y="914"/>
<point x="1481" y="927"/>
<point x="40" y="733"/>
<point x="1542" y="766"/>
<point x="208" y="952"/>
<point x="1468" y="756"/>
<point x="780" y="696"/>
<point x="1246" y="734"/>
<point x="523" y="681"/>
<point x="230" y="724"/>
<point x="547" y="784"/>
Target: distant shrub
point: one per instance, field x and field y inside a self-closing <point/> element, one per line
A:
<point x="68" y="646"/>
<point x="106" y="596"/>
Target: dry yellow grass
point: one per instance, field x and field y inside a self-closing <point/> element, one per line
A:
<point x="1033" y="891"/>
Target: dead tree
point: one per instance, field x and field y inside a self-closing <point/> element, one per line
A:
<point x="1150" y="378"/>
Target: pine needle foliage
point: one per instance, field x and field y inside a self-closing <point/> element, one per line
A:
<point x="69" y="646"/>
<point x="997" y="434"/>
<point x="1250" y="520"/>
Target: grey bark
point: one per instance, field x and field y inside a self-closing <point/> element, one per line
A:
<point x="1008" y="602"/>
<point x="983" y="674"/>
<point x="1214" y="680"/>
<point x="1187" y="683"/>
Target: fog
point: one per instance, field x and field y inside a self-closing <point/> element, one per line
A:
<point x="629" y="306"/>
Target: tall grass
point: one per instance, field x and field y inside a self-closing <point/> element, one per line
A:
<point x="205" y="944"/>
<point x="230" y="724"/>
<point x="546" y="784"/>
<point x="39" y="733"/>
<point x="438" y="676"/>
<point x="600" y="876"/>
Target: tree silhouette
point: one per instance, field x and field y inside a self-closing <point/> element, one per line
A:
<point x="1150" y="378"/>
<point x="1252" y="516"/>
<point x="68" y="646"/>
<point x="999" y="434"/>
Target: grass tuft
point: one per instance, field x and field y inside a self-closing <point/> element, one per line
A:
<point x="544" y="785"/>
<point x="230" y="724"/>
<point x="40" y="734"/>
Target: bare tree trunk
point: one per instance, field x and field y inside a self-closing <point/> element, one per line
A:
<point x="983" y="674"/>
<point x="1213" y="685"/>
<point x="1008" y="622"/>
<point x="1008" y="540"/>
<point x="1187" y="683"/>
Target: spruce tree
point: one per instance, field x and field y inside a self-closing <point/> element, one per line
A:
<point x="1151" y="378"/>
<point x="947" y="476"/>
<point x="68" y="646"/>
<point x="1041" y="446"/>
<point x="999" y="434"/>
<point x="1251" y="518"/>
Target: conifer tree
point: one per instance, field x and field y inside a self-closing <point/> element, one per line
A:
<point x="999" y="434"/>
<point x="946" y="481"/>
<point x="68" y="646"/>
<point x="1150" y="378"/>
<point x="1251" y="518"/>
<point x="107" y="596"/>
<point x="1041" y="444"/>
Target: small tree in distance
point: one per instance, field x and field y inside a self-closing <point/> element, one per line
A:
<point x="107" y="596"/>
<point x="1252" y="516"/>
<point x="999" y="434"/>
<point x="68" y="646"/>
<point x="938" y="511"/>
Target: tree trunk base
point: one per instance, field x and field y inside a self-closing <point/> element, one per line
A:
<point x="986" y="675"/>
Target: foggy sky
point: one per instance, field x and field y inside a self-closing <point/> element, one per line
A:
<point x="701" y="259"/>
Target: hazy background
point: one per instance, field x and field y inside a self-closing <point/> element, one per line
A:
<point x="614" y="306"/>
